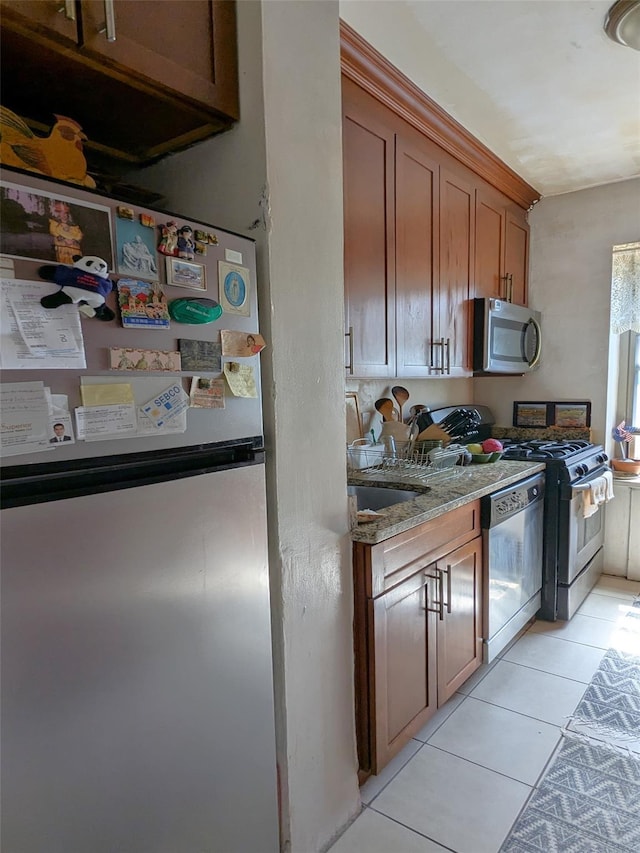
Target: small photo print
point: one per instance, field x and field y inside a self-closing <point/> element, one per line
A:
<point x="572" y="414"/>
<point x="142" y="304"/>
<point x="61" y="431"/>
<point x="530" y="414"/>
<point x="206" y="393"/>
<point x="130" y="358"/>
<point x="234" y="288"/>
<point x="186" y="274"/>
<point x="136" y="249"/>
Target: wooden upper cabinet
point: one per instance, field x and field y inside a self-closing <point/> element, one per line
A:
<point x="502" y="248"/>
<point x="457" y="241"/>
<point x="168" y="79"/>
<point x="368" y="174"/>
<point x="56" y="18"/>
<point x="417" y="200"/>
<point x="516" y="255"/>
<point x="181" y="45"/>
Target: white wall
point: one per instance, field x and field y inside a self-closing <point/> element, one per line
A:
<point x="289" y="139"/>
<point x="572" y="237"/>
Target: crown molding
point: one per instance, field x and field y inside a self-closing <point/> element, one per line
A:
<point x="370" y="70"/>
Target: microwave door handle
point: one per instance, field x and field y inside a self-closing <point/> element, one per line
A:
<point x="536" y="356"/>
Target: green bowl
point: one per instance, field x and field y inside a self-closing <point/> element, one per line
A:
<point x="481" y="458"/>
<point x="495" y="456"/>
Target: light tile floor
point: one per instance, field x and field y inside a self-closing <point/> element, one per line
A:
<point x="460" y="784"/>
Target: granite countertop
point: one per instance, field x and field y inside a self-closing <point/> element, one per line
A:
<point x="441" y="495"/>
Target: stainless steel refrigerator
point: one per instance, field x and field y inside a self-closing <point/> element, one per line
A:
<point x="137" y="691"/>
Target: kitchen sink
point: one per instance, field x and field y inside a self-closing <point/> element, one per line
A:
<point x="377" y="497"/>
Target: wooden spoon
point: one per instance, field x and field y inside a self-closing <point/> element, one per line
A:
<point x="385" y="406"/>
<point x="400" y="395"/>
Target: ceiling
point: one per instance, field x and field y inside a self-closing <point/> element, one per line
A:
<point x="537" y="81"/>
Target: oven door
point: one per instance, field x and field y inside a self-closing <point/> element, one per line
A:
<point x="580" y="538"/>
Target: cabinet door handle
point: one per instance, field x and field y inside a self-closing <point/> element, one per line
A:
<point x="447" y="571"/>
<point x="448" y="360"/>
<point x="438" y="368"/>
<point x="509" y="278"/>
<point x="109" y="21"/>
<point x="69" y="10"/>
<point x="349" y="335"/>
<point x="439" y="609"/>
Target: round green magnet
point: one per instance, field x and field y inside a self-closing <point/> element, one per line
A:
<point x="194" y="311"/>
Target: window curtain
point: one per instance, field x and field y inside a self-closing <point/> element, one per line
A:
<point x="625" y="289"/>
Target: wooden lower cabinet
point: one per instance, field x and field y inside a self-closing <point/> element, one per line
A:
<point x="420" y="639"/>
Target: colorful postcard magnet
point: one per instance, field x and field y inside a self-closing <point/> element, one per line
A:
<point x="166" y="405"/>
<point x="207" y="393"/>
<point x="194" y="311"/>
<point x="136" y="250"/>
<point x="186" y="274"/>
<point x="240" y="343"/>
<point x="200" y="355"/>
<point x="240" y="379"/>
<point x="52" y="228"/>
<point x="142" y="305"/>
<point x="234" y="288"/>
<point x="129" y="358"/>
<point x="107" y="394"/>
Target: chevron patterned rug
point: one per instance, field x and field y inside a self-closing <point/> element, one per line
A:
<point x="588" y="801"/>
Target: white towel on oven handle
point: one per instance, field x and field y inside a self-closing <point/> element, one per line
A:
<point x="599" y="492"/>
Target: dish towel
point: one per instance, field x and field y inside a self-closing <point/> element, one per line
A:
<point x="599" y="492"/>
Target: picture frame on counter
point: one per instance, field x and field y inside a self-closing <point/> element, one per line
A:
<point x="543" y="414"/>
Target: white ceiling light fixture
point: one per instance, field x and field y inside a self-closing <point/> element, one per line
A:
<point x="622" y="23"/>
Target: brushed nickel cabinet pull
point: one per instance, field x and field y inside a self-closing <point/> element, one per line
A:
<point x="439" y="609"/>
<point x="447" y="571"/>
<point x="349" y="335"/>
<point x="448" y="360"/>
<point x="110" y="21"/>
<point x="69" y="10"/>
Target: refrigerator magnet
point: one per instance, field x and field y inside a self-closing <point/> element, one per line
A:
<point x="234" y="288"/>
<point x="194" y="312"/>
<point x="241" y="344"/>
<point x="200" y="355"/>
<point x="136" y="249"/>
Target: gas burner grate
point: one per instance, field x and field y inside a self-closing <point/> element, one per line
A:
<point x="541" y="449"/>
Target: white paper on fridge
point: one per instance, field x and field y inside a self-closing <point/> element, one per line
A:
<point x="167" y="405"/>
<point x="35" y="337"/>
<point x="98" y="423"/>
<point x="25" y="418"/>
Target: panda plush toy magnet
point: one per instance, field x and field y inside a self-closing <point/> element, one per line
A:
<point x="85" y="284"/>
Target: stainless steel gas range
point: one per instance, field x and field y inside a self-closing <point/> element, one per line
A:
<point x="573" y="544"/>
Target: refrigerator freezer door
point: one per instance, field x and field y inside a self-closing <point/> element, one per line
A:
<point x="241" y="416"/>
<point x="137" y="698"/>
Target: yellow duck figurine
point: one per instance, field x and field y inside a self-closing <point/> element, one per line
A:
<point x="58" y="155"/>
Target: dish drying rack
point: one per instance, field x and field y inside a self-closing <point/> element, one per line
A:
<point x="422" y="461"/>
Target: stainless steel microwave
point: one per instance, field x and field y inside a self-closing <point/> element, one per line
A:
<point x="507" y="338"/>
